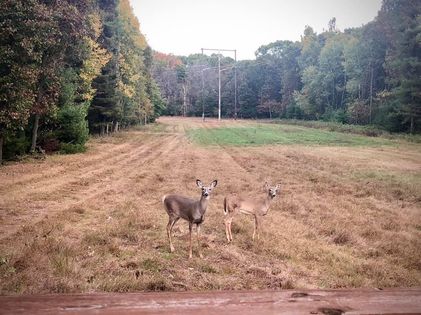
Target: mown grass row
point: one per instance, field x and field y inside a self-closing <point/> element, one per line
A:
<point x="267" y="134"/>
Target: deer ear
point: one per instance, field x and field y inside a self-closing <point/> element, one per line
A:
<point x="266" y="186"/>
<point x="278" y="186"/>
<point x="214" y="183"/>
<point x="199" y="183"/>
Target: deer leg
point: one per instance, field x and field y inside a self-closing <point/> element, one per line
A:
<point x="169" y="234"/>
<point x="190" y="247"/>
<point x="227" y="228"/>
<point x="170" y="225"/>
<point x="257" y="228"/>
<point x="198" y="241"/>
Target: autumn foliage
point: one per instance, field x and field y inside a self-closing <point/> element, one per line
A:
<point x="63" y="61"/>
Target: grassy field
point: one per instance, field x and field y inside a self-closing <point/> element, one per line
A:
<point x="368" y="130"/>
<point x="266" y="134"/>
<point x="349" y="212"/>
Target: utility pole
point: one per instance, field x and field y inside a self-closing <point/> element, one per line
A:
<point x="219" y="79"/>
<point x="235" y="85"/>
<point x="219" y="86"/>
<point x="203" y="98"/>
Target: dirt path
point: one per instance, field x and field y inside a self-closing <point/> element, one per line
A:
<point x="346" y="217"/>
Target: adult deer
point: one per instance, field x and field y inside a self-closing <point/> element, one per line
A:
<point x="258" y="207"/>
<point x="193" y="211"/>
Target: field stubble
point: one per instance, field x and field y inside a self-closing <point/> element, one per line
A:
<point x="347" y="216"/>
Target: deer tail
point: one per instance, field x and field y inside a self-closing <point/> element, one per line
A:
<point x="163" y="199"/>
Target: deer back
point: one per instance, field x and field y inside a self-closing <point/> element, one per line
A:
<point x="183" y="207"/>
<point x="248" y="205"/>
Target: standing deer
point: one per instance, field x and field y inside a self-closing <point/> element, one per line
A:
<point x="258" y="207"/>
<point x="193" y="211"/>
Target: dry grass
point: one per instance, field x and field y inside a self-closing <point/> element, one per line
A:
<point x="346" y="217"/>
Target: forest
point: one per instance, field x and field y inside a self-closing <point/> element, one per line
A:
<point x="74" y="67"/>
<point x="370" y="75"/>
<point x="69" y="68"/>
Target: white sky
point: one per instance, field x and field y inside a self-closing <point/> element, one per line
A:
<point x="182" y="27"/>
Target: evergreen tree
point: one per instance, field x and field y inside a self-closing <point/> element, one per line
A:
<point x="401" y="23"/>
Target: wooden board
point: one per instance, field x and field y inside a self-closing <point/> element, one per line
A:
<point x="332" y="302"/>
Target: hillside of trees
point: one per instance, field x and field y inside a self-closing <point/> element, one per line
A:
<point x="69" y="68"/>
<point x="370" y="75"/>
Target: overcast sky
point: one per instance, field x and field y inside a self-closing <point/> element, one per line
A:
<point x="183" y="27"/>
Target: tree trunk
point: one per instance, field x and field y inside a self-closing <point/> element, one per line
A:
<point x="1" y="147"/>
<point x="184" y="100"/>
<point x="35" y="133"/>
<point x="343" y="91"/>
<point x="411" y="127"/>
<point x="116" y="127"/>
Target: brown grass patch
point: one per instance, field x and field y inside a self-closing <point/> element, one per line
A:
<point x="346" y="217"/>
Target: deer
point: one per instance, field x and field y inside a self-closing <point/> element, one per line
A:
<point x="191" y="210"/>
<point x="258" y="207"/>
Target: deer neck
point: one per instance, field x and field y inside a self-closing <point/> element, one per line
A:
<point x="268" y="201"/>
<point x="203" y="204"/>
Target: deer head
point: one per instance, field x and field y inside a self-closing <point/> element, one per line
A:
<point x="272" y="190"/>
<point x="206" y="190"/>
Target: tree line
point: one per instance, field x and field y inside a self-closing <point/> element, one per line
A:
<point x="68" y="68"/>
<point x="364" y="75"/>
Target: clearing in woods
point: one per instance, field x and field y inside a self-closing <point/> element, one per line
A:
<point x="348" y="214"/>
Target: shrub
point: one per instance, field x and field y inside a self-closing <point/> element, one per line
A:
<point x="48" y="141"/>
<point x="73" y="124"/>
<point x="15" y="145"/>
<point x="335" y="115"/>
<point x="359" y="112"/>
<point x="69" y="148"/>
<point x="293" y="111"/>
